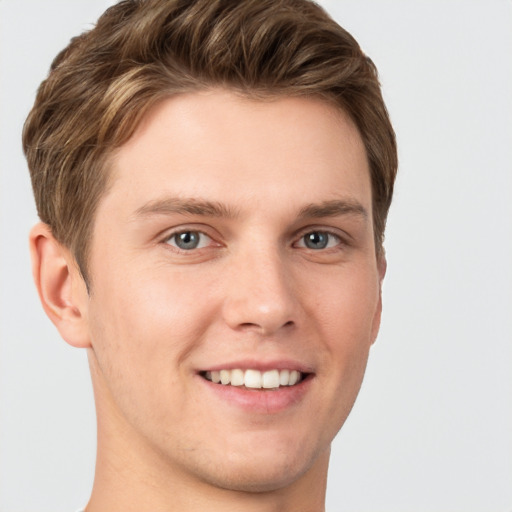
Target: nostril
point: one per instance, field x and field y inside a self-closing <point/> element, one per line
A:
<point x="264" y="328"/>
<point x="248" y="326"/>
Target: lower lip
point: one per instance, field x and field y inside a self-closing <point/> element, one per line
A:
<point x="262" y="401"/>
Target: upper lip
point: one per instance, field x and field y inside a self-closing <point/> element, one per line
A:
<point x="251" y="364"/>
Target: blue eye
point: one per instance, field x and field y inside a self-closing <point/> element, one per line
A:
<point x="189" y="240"/>
<point x="318" y="240"/>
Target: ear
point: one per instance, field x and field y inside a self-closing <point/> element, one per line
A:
<point x="60" y="285"/>
<point x="382" y="265"/>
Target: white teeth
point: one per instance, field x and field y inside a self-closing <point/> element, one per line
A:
<point x="252" y="379"/>
<point x="271" y="379"/>
<point x="237" y="378"/>
<point x="225" y="377"/>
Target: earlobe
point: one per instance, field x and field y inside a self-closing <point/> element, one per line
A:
<point x="60" y="286"/>
<point x="382" y="266"/>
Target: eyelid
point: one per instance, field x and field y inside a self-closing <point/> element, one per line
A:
<point x="343" y="237"/>
<point x="201" y="244"/>
<point x="300" y="242"/>
<point x="201" y="229"/>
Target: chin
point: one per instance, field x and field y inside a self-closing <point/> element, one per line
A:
<point x="257" y="479"/>
<point x="263" y="471"/>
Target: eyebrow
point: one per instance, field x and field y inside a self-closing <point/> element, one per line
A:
<point x="334" y="208"/>
<point x="193" y="206"/>
<point x="190" y="206"/>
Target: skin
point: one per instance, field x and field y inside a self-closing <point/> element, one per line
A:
<point x="253" y="292"/>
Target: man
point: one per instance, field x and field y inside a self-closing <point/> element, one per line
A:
<point x="213" y="180"/>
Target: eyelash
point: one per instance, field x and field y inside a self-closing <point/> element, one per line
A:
<point x="340" y="241"/>
<point x="330" y="234"/>
<point x="172" y="236"/>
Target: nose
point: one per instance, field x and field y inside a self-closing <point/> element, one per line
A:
<point x="260" y="295"/>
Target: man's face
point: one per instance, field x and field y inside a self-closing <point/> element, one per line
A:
<point x="236" y="241"/>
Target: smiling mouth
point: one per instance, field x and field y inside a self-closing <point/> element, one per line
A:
<point x="255" y="379"/>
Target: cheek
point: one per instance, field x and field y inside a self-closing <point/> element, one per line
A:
<point x="346" y="307"/>
<point x="151" y="304"/>
<point x="142" y="329"/>
<point x="347" y="312"/>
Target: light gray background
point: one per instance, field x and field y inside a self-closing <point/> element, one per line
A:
<point x="432" y="428"/>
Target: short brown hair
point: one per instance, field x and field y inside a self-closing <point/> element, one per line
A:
<point x="142" y="51"/>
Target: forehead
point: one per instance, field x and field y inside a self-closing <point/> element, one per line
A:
<point x="227" y="148"/>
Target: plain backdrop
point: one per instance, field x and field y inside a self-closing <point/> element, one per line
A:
<point x="432" y="428"/>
